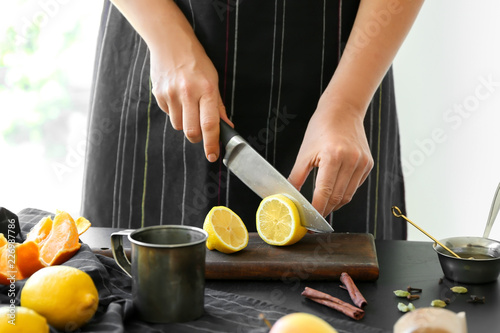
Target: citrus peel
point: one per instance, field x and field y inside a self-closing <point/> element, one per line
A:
<point x="278" y="221"/>
<point x="66" y="296"/>
<point x="226" y="231"/>
<point x="49" y="242"/>
<point x="22" y="319"/>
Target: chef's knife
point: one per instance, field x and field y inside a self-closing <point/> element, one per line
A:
<point x="262" y="178"/>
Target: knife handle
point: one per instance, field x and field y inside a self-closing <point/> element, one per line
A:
<point x="226" y="132"/>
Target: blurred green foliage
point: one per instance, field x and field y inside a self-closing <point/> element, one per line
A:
<point x="48" y="113"/>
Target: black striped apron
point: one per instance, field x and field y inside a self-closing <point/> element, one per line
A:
<point x="274" y="58"/>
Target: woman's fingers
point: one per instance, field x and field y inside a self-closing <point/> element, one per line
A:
<point x="209" y="124"/>
<point x="300" y="171"/>
<point x="329" y="187"/>
<point x="357" y="179"/>
<point x="193" y="104"/>
<point x="186" y="87"/>
<point x="350" y="175"/>
<point x="338" y="148"/>
<point x="191" y="120"/>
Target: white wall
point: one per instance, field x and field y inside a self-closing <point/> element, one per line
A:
<point x="451" y="157"/>
<point x="30" y="176"/>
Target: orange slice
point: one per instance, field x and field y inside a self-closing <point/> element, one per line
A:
<point x="28" y="259"/>
<point x="4" y="266"/>
<point x="82" y="224"/>
<point x="40" y="231"/>
<point x="3" y="240"/>
<point x="62" y="242"/>
<point x="49" y="242"/>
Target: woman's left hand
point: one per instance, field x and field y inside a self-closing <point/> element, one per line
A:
<point x="335" y="142"/>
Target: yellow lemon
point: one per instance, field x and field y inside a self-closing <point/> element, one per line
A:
<point x="22" y="320"/>
<point x="226" y="231"/>
<point x="278" y="221"/>
<point x="65" y="296"/>
<point x="300" y="322"/>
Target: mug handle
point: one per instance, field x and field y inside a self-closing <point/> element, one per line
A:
<point x="119" y="252"/>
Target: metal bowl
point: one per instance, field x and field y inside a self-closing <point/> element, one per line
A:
<point x="485" y="267"/>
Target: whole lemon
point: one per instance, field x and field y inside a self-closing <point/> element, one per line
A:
<point x="18" y="319"/>
<point x="300" y="322"/>
<point x="65" y="296"/>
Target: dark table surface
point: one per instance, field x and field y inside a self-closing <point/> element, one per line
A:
<point x="401" y="263"/>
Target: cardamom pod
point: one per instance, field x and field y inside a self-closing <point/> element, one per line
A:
<point x="438" y="303"/>
<point x="403" y="307"/>
<point x="459" y="290"/>
<point x="411" y="307"/>
<point x="401" y="293"/>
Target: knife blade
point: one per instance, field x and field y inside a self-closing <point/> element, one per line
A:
<point x="262" y="178"/>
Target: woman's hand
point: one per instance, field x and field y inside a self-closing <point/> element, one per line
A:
<point x="184" y="79"/>
<point x="186" y="88"/>
<point x="335" y="143"/>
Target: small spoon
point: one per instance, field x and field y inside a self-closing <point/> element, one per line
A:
<point x="495" y="206"/>
<point x="397" y="212"/>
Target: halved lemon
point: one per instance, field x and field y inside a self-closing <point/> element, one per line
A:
<point x="226" y="231"/>
<point x="278" y="221"/>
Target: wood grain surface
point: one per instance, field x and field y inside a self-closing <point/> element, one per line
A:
<point x="315" y="257"/>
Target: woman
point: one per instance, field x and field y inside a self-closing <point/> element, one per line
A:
<point x="308" y="84"/>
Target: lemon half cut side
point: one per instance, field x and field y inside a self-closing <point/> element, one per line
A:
<point x="278" y="221"/>
<point x="226" y="231"/>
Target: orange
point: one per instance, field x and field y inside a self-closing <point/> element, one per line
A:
<point x="82" y="224"/>
<point x="299" y="322"/>
<point x="62" y="242"/>
<point x="3" y="260"/>
<point x="19" y="261"/>
<point x="40" y="231"/>
<point x="49" y="242"/>
<point x="4" y="266"/>
<point x="3" y="240"/>
<point x="28" y="259"/>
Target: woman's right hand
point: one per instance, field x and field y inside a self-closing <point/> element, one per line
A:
<point x="184" y="79"/>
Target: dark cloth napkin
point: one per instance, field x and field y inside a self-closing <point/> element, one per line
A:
<point x="224" y="312"/>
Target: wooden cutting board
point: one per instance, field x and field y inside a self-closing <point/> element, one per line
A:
<point x="315" y="257"/>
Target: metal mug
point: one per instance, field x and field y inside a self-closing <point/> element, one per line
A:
<point x="167" y="267"/>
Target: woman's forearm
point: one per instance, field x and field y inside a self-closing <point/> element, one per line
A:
<point x="161" y="24"/>
<point x="378" y="32"/>
<point x="184" y="79"/>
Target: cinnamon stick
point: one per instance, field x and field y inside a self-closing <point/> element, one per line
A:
<point x="333" y="303"/>
<point x="354" y="293"/>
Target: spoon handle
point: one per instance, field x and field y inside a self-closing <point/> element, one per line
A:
<point x="495" y="206"/>
<point x="397" y="212"/>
